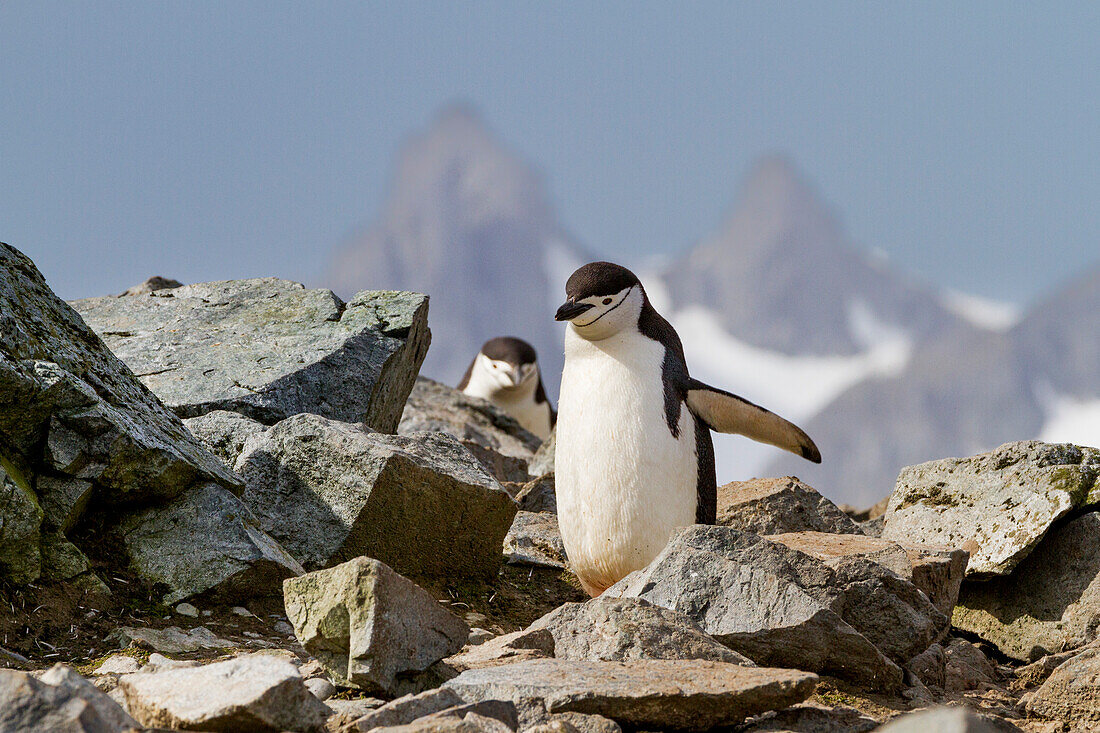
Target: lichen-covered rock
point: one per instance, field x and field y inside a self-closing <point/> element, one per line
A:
<point x="534" y="539"/>
<point x="70" y="408"/>
<point x="780" y="505"/>
<point x="369" y="625"/>
<point x="20" y="529"/>
<point x="620" y="629"/>
<point x="206" y="541"/>
<point x="493" y="436"/>
<point x="781" y="607"/>
<point x="997" y="505"/>
<point x="648" y="694"/>
<point x="330" y="491"/>
<point x="937" y="571"/>
<point x="249" y="694"/>
<point x="270" y="348"/>
<point x="1049" y="603"/>
<point x="224" y="432"/>
<point x="60" y="700"/>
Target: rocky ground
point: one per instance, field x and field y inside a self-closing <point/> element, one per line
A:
<point x="234" y="506"/>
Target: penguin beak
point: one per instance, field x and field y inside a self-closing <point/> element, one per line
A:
<point x="570" y="310"/>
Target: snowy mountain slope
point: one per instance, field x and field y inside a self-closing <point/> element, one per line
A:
<point x="470" y="224"/>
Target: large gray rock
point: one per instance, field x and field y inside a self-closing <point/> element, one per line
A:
<point x="254" y="693"/>
<point x="368" y="625"/>
<point x="331" y="491"/>
<point x="534" y="539"/>
<point x="61" y="701"/>
<point x="206" y="541"/>
<point x="937" y="571"/>
<point x="20" y="525"/>
<point x="780" y="505"/>
<point x="1072" y="691"/>
<point x="1051" y="601"/>
<point x="69" y="408"/>
<point x="492" y="435"/>
<point x="997" y="505"/>
<point x="621" y="629"/>
<point x="649" y="694"/>
<point x="224" y="432"/>
<point x="270" y="348"/>
<point x="781" y="607"/>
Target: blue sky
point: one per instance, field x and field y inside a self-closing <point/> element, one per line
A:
<point x="217" y="140"/>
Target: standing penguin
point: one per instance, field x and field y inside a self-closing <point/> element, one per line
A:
<point x="634" y="456"/>
<point x="506" y="372"/>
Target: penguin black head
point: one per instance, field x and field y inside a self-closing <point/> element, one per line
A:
<point x="604" y="298"/>
<point x="506" y="363"/>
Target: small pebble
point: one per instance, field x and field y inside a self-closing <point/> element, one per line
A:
<point x="321" y="688"/>
<point x="118" y="664"/>
<point x="283" y="627"/>
<point x="186" y="609"/>
<point x="241" y="611"/>
<point x="479" y="636"/>
<point x="473" y="618"/>
<point x="207" y="612"/>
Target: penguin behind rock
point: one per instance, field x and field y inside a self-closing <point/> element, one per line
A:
<point x="634" y="456"/>
<point x="506" y="372"/>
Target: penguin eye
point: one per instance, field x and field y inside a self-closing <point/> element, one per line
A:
<point x="607" y="301"/>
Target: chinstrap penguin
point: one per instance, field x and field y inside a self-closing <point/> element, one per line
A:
<point x="634" y="457"/>
<point x="506" y="372"/>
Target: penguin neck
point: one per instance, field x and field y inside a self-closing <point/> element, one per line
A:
<point x="484" y="385"/>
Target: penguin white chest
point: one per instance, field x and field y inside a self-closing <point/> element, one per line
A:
<point x="623" y="481"/>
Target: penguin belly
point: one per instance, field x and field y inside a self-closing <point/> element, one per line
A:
<point x="533" y="416"/>
<point x="623" y="482"/>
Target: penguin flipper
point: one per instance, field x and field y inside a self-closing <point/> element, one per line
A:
<point x="727" y="413"/>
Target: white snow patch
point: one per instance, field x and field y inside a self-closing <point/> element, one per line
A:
<point x="992" y="315"/>
<point x="1070" y="420"/>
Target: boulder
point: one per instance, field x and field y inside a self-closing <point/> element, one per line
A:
<point x="997" y="505"/>
<point x="1050" y="603"/>
<point x="647" y="694"/>
<point x="206" y="541"/>
<point x="60" y="700"/>
<point x="947" y="720"/>
<point x="20" y="531"/>
<point x="368" y="625"/>
<point x="493" y="436"/>
<point x="937" y="571"/>
<point x="1072" y="691"/>
<point x="331" y="491"/>
<point x="778" y="506"/>
<point x="270" y="348"/>
<point x="534" y="539"/>
<point x="224" y="432"/>
<point x="253" y="693"/>
<point x="622" y="629"/>
<point x="781" y="607"/>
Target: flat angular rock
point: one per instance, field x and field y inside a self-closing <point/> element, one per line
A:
<point x="206" y="541"/>
<point x="368" y="625"/>
<point x="61" y="700"/>
<point x="270" y="348"/>
<point x="649" y="694"/>
<point x="774" y="605"/>
<point x="538" y="495"/>
<point x="330" y="491"/>
<point x="224" y="432"/>
<point x="621" y="629"/>
<point x="780" y="505"/>
<point x="947" y="720"/>
<point x="70" y="408"/>
<point x="518" y="646"/>
<point x="534" y="539"/>
<point x="173" y="640"/>
<point x="575" y="723"/>
<point x="997" y="505"/>
<point x="1072" y="691"/>
<point x="1050" y="602"/>
<point x="936" y="571"/>
<point x="408" y="708"/>
<point x="492" y="435"/>
<point x="809" y="717"/>
<point x="253" y="693"/>
<point x="543" y="461"/>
